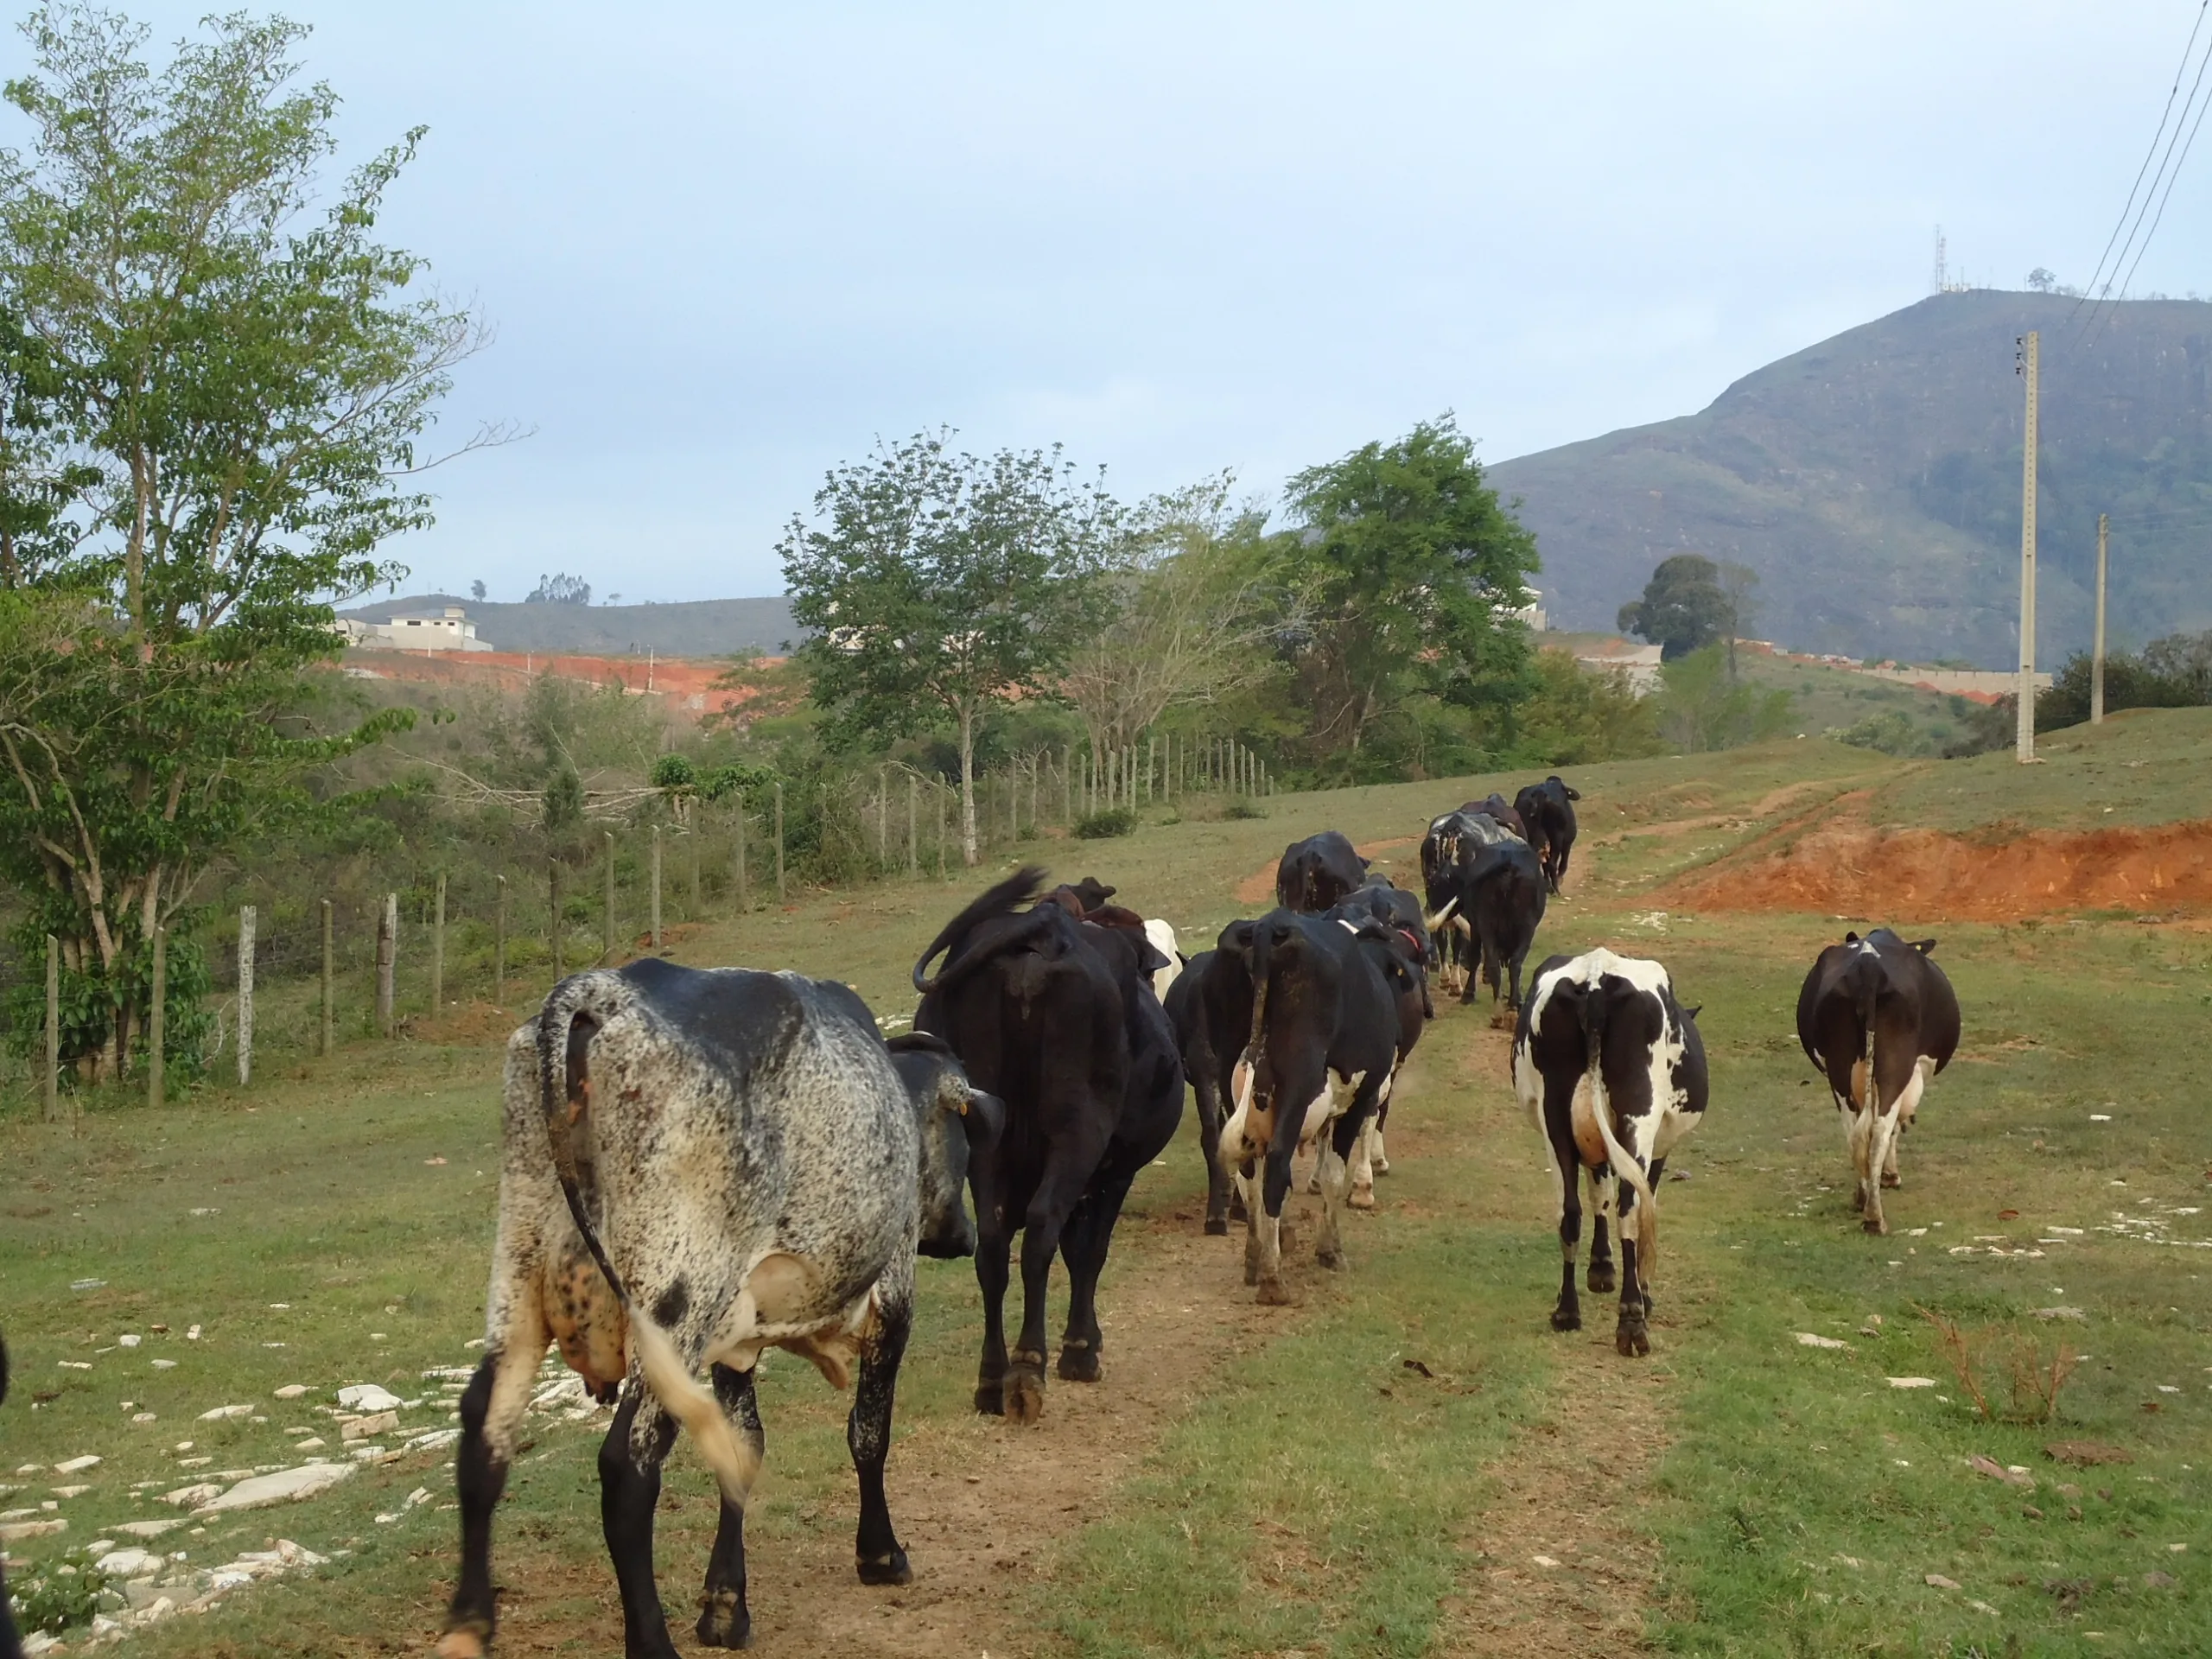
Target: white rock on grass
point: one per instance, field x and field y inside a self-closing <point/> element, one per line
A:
<point x="367" y="1397"/>
<point x="220" y="1413"/>
<point x="77" y="1465"/>
<point x="148" y="1529"/>
<point x="1910" y="1382"/>
<point x="285" y="1486"/>
<point x="13" y="1532"/>
<point x="291" y="1390"/>
<point x="165" y="1364"/>
<point x="436" y="1439"/>
<point x="1808" y="1340"/>
<point x="363" y="1429"/>
<point x="129" y="1563"/>
<point x="194" y="1495"/>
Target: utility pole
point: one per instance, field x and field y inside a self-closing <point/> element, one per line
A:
<point x="2024" y="743"/>
<point x="2097" y="654"/>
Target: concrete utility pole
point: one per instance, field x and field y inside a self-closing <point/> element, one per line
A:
<point x="2023" y="742"/>
<point x="2097" y="653"/>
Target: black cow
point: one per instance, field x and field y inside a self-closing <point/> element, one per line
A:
<point x="1613" y="1022"/>
<point x="1549" y="810"/>
<point x="1488" y="891"/>
<point x="1878" y="1005"/>
<point x="10" y="1648"/>
<point x="1495" y="807"/>
<point x="699" y="1165"/>
<point x="1382" y="900"/>
<point x="1057" y="1017"/>
<point x="1316" y="1060"/>
<point x="1317" y="872"/>
<point x="1398" y="952"/>
<point x="1210" y="1014"/>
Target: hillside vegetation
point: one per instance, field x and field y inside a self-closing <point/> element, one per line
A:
<point x="1873" y="483"/>
<point x="705" y="627"/>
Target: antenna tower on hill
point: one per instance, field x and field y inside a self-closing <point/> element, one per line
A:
<point x="1942" y="275"/>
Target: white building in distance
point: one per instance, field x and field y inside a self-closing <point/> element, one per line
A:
<point x="446" y="629"/>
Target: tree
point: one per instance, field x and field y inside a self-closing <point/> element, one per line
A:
<point x="1200" y="598"/>
<point x="477" y="590"/>
<point x="945" y="584"/>
<point x="1701" y="708"/>
<point x="231" y="390"/>
<point x="559" y="590"/>
<point x="2042" y="280"/>
<point x="1415" y="568"/>
<point x="1683" y="608"/>
<point x="1739" y="605"/>
<point x="1578" y="716"/>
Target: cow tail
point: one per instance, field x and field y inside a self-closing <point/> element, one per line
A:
<point x="733" y="1460"/>
<point x="1622" y="1162"/>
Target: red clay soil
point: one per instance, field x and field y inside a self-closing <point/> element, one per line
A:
<point x="1850" y="868"/>
<point x="685" y="688"/>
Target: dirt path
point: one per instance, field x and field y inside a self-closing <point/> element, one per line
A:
<point x="978" y="1504"/>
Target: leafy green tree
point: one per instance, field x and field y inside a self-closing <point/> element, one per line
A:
<point x="1699" y="708"/>
<point x="944" y="585"/>
<point x="2173" y="672"/>
<point x="1577" y="716"/>
<point x="232" y="386"/>
<point x="1684" y="608"/>
<point x="1415" y="568"/>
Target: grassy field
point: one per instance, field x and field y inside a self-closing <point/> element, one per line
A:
<point x="1409" y="1461"/>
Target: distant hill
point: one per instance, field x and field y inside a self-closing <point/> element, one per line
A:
<point x="1874" y="482"/>
<point x="706" y="627"/>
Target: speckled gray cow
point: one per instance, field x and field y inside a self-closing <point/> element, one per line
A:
<point x="701" y="1164"/>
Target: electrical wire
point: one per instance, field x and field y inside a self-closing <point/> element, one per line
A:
<point x="2091" y="287"/>
<point x="2163" y="200"/>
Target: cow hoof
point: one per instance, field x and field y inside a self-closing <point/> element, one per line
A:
<point x="991" y="1396"/>
<point x="1272" y="1295"/>
<point x="1859" y="1198"/>
<point x="1567" y="1318"/>
<point x="1891" y="1180"/>
<point x="1217" y="1227"/>
<point x="464" y="1644"/>
<point x="1078" y="1363"/>
<point x="1237" y="1211"/>
<point x="1361" y="1197"/>
<point x="1603" y="1280"/>
<point x="1382" y="1165"/>
<point x="724" y="1622"/>
<point x="1332" y="1259"/>
<point x="1503" y="1022"/>
<point x="1023" y="1391"/>
<point x="1874" y="1224"/>
<point x="1313" y="1184"/>
<point x="1631" y="1340"/>
<point x="1251" y="1274"/>
<point x="886" y="1569"/>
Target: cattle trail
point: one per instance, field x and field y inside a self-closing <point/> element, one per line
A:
<point x="1176" y="1311"/>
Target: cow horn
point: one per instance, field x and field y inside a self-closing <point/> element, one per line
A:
<point x="1431" y="923"/>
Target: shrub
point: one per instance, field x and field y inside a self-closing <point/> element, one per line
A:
<point x="1242" y="809"/>
<point x="1100" y="826"/>
<point x="1892" y="732"/>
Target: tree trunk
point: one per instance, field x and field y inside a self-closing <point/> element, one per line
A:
<point x="967" y="785"/>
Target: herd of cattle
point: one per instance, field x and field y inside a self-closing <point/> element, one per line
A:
<point x="700" y="1165"/>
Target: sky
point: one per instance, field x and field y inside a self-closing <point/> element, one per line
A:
<point x="727" y="247"/>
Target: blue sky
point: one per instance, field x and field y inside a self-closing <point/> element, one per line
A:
<point x="726" y="246"/>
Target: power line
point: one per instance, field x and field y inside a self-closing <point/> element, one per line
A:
<point x="2091" y="287"/>
<point x="2163" y="200"/>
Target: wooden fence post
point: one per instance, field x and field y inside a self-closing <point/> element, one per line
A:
<point x="50" y="1091"/>
<point x="158" y="1024"/>
<point x="553" y="926"/>
<point x="500" y="949"/>
<point x="387" y="962"/>
<point x="913" y="851"/>
<point x="656" y="876"/>
<point x="1067" y="785"/>
<point x="606" y="917"/>
<point x="245" y="995"/>
<point x="939" y="792"/>
<point x="438" y="950"/>
<point x="744" y="888"/>
<point x="882" y="819"/>
<point x="779" y="843"/>
<point x="1036" y="763"/>
<point x="694" y="839"/>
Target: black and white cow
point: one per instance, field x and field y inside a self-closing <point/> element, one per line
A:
<point x="1315" y="1062"/>
<point x="1315" y="873"/>
<point x="1489" y="888"/>
<point x="1878" y="1006"/>
<point x="1056" y="1017"/>
<point x="1611" y="1071"/>
<point x="699" y="1165"/>
<point x="1548" y="809"/>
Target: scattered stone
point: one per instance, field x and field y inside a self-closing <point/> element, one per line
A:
<point x="2060" y="1313"/>
<point x="13" y="1532"/>
<point x="2159" y="1581"/>
<point x="71" y="1492"/>
<point x="367" y="1397"/>
<point x="222" y="1412"/>
<point x="1937" y="1582"/>
<point x="313" y="1443"/>
<point x="193" y="1463"/>
<point x="193" y="1334"/>
<point x="165" y="1364"/>
<point x="148" y="1529"/>
<point x="192" y="1496"/>
<point x="2014" y="1476"/>
<point x="129" y="1563"/>
<point x="128" y="1341"/>
<point x="436" y="1438"/>
<point x="1910" y="1382"/>
<point x="291" y="1391"/>
<point x="77" y="1465"/>
<point x="87" y="1284"/>
<point x="285" y="1486"/>
<point x="1805" y="1339"/>
<point x="1544" y="1561"/>
<point x="2086" y="1454"/>
<point x="143" y="1417"/>
<point x="362" y="1428"/>
<point x="74" y="1364"/>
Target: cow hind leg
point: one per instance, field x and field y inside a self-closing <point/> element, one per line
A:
<point x="491" y="1410"/>
<point x="1335" y="1176"/>
<point x="1084" y="1342"/>
<point x="1022" y="1389"/>
<point x="724" y="1619"/>
<point x="1566" y="1312"/>
<point x="994" y="1249"/>
<point x="1602" y="1281"/>
<point x="1632" y="1334"/>
<point x="629" y="1490"/>
<point x="1218" y="1180"/>
<point x="867" y="1436"/>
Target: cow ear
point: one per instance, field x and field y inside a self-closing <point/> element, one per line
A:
<point x="1574" y="794"/>
<point x="983" y="1116"/>
<point x="1926" y="947"/>
<point x="1851" y="938"/>
<point x="1693" y="1013"/>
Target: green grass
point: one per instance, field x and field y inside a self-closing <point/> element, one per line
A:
<point x="1292" y="1505"/>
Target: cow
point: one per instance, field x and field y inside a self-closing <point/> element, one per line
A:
<point x="1397" y="952"/>
<point x="1495" y="807"/>
<point x="1488" y="888"/>
<point x="700" y="1165"/>
<point x="1549" y="810"/>
<point x="1162" y="938"/>
<point x="1316" y="1061"/>
<point x="1057" y="1017"/>
<point x="1210" y="1014"/>
<point x="1086" y="902"/>
<point x="1610" y="1069"/>
<point x="1317" y="872"/>
<point x="1380" y="900"/>
<point x="1881" y="1009"/>
<point x="10" y="1646"/>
